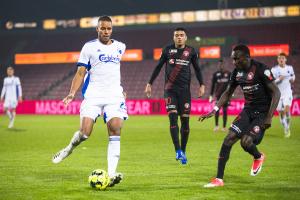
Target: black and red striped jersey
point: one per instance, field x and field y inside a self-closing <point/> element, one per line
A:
<point x="177" y="63"/>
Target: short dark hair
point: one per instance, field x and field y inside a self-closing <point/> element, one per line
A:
<point x="104" y="18"/>
<point x="180" y="29"/>
<point x="282" y="54"/>
<point x="243" y="48"/>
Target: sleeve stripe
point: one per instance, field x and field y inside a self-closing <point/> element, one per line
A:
<point x="82" y="64"/>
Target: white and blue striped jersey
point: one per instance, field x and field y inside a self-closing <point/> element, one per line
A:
<point x="102" y="62"/>
<point x="284" y="86"/>
<point x="11" y="88"/>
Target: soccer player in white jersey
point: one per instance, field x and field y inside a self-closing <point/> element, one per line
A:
<point x="11" y="94"/>
<point x="99" y="69"/>
<point x="284" y="75"/>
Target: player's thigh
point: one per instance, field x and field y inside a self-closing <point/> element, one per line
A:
<point x="255" y="129"/>
<point x="116" y="110"/>
<point x="171" y="101"/>
<point x="240" y="124"/>
<point x="184" y="103"/>
<point x="90" y="108"/>
<point x="10" y="104"/>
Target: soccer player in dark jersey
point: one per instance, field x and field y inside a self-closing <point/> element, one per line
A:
<point x="261" y="99"/>
<point x="219" y="84"/>
<point x="177" y="58"/>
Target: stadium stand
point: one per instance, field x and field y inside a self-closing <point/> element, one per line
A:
<point x="53" y="81"/>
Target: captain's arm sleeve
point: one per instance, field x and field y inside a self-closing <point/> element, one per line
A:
<point x="161" y="62"/>
<point x="195" y="63"/>
<point x="266" y="75"/>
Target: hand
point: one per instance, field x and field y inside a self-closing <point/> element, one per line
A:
<point x="267" y="123"/>
<point x="201" y="91"/>
<point x="125" y="95"/>
<point x="292" y="80"/>
<point x="210" y="99"/>
<point x="20" y="99"/>
<point x="148" y="90"/>
<point x="206" y="116"/>
<point x="281" y="78"/>
<point x="68" y="99"/>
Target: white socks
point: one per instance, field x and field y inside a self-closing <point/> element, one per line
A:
<point x="77" y="138"/>
<point x="113" y="154"/>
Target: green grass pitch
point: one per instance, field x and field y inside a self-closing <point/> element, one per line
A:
<point x="147" y="161"/>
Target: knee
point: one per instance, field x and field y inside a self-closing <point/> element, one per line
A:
<point x="114" y="127"/>
<point x="230" y="139"/>
<point x="246" y="142"/>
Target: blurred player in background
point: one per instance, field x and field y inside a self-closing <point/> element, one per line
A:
<point x="261" y="96"/>
<point x="11" y="94"/>
<point x="219" y="84"/>
<point x="103" y="94"/>
<point x="284" y="75"/>
<point x="177" y="58"/>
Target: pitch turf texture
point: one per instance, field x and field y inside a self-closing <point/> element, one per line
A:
<point x="147" y="161"/>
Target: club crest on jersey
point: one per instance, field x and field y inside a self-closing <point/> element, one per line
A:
<point x="171" y="61"/>
<point x="186" y="53"/>
<point x="186" y="105"/>
<point x="109" y="58"/>
<point x="256" y="129"/>
<point x="250" y="76"/>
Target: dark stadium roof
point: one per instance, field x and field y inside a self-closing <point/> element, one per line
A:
<point x="26" y="10"/>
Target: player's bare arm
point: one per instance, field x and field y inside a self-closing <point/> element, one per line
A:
<point x="274" y="91"/>
<point x="76" y="83"/>
<point x="148" y="90"/>
<point x="201" y="90"/>
<point x="227" y="94"/>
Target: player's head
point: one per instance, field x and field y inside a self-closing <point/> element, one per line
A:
<point x="221" y="64"/>
<point x="180" y="37"/>
<point x="241" y="56"/>
<point x="10" y="71"/>
<point x="104" y="29"/>
<point x="281" y="59"/>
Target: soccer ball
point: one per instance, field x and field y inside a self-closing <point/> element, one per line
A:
<point x="99" y="179"/>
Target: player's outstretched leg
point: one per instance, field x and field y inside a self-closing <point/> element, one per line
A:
<point x="77" y="138"/>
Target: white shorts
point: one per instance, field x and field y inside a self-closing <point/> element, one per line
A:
<point x="94" y="108"/>
<point x="284" y="101"/>
<point x="10" y="104"/>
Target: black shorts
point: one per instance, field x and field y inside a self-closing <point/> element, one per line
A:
<point x="179" y="100"/>
<point x="249" y="122"/>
